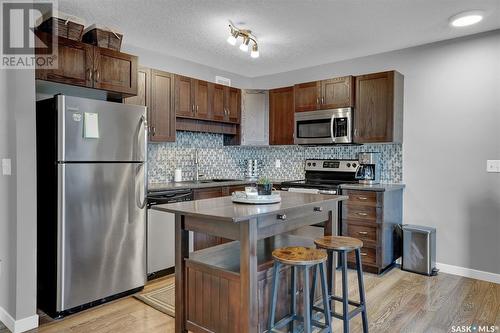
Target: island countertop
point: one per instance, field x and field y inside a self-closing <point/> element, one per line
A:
<point x="224" y="209"/>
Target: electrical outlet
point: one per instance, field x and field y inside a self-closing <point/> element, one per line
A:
<point x="6" y="167"/>
<point x="493" y="165"/>
<point x="277" y="163"/>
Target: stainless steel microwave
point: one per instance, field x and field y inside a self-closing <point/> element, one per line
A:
<point x="323" y="127"/>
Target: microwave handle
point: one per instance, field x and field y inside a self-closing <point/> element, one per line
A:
<point x="332" y="128"/>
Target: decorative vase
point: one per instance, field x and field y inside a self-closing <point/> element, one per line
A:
<point x="264" y="189"/>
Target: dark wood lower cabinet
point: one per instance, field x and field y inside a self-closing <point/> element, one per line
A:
<point x="373" y="217"/>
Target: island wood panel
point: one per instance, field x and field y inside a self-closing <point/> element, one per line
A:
<point x="281" y="116"/>
<point x="221" y="270"/>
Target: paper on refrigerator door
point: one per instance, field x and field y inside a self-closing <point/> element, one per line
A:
<point x="91" y="125"/>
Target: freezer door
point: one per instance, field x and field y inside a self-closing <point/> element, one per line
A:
<point x="92" y="130"/>
<point x="101" y="231"/>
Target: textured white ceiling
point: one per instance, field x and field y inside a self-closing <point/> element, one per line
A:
<point x="292" y="34"/>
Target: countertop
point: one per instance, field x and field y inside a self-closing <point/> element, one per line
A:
<point x="377" y="187"/>
<point x="191" y="184"/>
<point x="224" y="209"/>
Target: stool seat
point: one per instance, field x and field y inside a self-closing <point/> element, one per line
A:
<point x="338" y="243"/>
<point x="299" y="255"/>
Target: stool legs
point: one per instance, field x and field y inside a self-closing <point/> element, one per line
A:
<point x="331" y="284"/>
<point x="361" y="286"/>
<point x="324" y="289"/>
<point x="307" y="301"/>
<point x="274" y="293"/>
<point x="345" y="293"/>
<point x="293" y="294"/>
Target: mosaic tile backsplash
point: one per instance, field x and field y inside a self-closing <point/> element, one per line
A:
<point x="219" y="161"/>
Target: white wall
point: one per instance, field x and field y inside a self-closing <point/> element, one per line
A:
<point x="451" y="127"/>
<point x="184" y="67"/>
<point x="18" y="198"/>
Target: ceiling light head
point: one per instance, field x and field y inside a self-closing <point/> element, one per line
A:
<point x="255" y="51"/>
<point x="466" y="18"/>
<point x="233" y="35"/>
<point x="244" y="45"/>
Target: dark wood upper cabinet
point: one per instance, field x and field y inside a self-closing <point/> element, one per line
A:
<point x="115" y="71"/>
<point x="201" y="101"/>
<point x="162" y="106"/>
<point x="75" y="63"/>
<point x="379" y="108"/>
<point x="281" y="116"/>
<point x="155" y="89"/>
<point x="337" y="93"/>
<point x="216" y="97"/>
<point x="233" y="104"/>
<point x="325" y="94"/>
<point x="89" y="66"/>
<point x="184" y="96"/>
<point x="307" y="96"/>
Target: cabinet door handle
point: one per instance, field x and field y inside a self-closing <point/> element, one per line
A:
<point x="362" y="198"/>
<point x="281" y="217"/>
<point x="196" y="108"/>
<point x="89" y="74"/>
<point x="355" y="132"/>
<point x="153" y="131"/>
<point x="317" y="100"/>
<point x="318" y="209"/>
<point x="364" y="254"/>
<point x="96" y="75"/>
<point x="362" y="214"/>
<point x="363" y="232"/>
<point x="322" y="100"/>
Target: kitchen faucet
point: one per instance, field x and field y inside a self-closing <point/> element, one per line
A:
<point x="196" y="166"/>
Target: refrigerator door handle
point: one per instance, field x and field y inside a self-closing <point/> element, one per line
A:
<point x="145" y="164"/>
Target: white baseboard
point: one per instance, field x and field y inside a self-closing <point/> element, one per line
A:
<point x="18" y="326"/>
<point x="467" y="272"/>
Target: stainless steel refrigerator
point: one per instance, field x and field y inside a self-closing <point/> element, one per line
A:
<point x="91" y="189"/>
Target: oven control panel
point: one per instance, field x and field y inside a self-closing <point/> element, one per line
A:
<point x="332" y="165"/>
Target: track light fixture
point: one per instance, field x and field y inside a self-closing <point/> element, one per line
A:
<point x="246" y="36"/>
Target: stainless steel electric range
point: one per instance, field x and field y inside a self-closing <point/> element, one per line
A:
<point x="324" y="176"/>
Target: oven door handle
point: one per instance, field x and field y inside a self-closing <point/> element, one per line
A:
<point x="332" y="128"/>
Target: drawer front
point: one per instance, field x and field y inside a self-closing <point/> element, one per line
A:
<point x="362" y="198"/>
<point x="368" y="256"/>
<point x="207" y="193"/>
<point x="362" y="213"/>
<point x="362" y="232"/>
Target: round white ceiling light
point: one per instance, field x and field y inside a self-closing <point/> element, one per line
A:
<point x="466" y="19"/>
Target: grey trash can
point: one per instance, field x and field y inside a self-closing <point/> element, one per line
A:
<point x="419" y="249"/>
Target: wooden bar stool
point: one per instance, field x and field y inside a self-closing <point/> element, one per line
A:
<point x="343" y="245"/>
<point x="305" y="258"/>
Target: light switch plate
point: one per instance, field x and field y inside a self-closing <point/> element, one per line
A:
<point x="493" y="165"/>
<point x="277" y="163"/>
<point x="6" y="167"/>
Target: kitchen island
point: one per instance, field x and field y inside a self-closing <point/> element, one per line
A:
<point x="223" y="288"/>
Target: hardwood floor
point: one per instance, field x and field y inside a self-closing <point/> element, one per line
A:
<point x="398" y="301"/>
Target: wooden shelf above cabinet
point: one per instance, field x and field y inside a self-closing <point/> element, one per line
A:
<point x="85" y="65"/>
